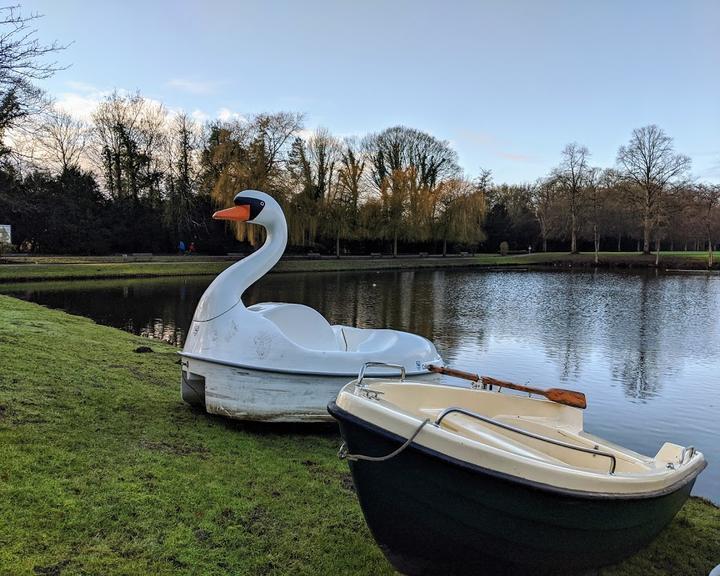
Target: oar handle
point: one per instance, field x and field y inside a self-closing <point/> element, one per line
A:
<point x="453" y="372"/>
<point x="559" y="395"/>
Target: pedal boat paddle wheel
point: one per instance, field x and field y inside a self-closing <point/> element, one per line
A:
<point x="275" y="361"/>
<point x="456" y="480"/>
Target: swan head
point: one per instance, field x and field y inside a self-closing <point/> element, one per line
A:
<point x="254" y="207"/>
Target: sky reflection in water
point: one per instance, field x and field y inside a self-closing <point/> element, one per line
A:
<point x="643" y="347"/>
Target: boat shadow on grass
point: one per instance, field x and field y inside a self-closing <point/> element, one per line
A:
<point x="265" y="429"/>
<point x="694" y="527"/>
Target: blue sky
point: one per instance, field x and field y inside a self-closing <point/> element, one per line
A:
<point x="507" y="83"/>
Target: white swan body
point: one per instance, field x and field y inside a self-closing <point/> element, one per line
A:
<point x="275" y="361"/>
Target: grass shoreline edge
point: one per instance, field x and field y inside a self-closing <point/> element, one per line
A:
<point x="146" y="485"/>
<point x="71" y="268"/>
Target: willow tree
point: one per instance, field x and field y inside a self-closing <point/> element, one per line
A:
<point x="248" y="154"/>
<point x="406" y="166"/>
<point x="462" y="207"/>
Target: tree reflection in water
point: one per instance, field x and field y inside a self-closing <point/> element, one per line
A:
<point x="643" y="347"/>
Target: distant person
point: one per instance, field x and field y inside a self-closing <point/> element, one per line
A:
<point x="181" y="247"/>
<point x="192" y="248"/>
<point x="529" y="249"/>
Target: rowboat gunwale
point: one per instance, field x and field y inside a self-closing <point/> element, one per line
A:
<point x="339" y="414"/>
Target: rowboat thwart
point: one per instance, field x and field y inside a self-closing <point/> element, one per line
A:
<point x="458" y="480"/>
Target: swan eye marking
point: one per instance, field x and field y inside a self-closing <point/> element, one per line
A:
<point x="256" y="205"/>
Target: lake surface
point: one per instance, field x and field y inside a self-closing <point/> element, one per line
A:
<point x="643" y="347"/>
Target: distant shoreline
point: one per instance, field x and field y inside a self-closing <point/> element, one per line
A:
<point x="42" y="268"/>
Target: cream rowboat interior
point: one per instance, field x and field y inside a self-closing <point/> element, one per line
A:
<point x="532" y="439"/>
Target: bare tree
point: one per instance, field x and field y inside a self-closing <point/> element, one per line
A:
<point x="544" y="199"/>
<point x="650" y="163"/>
<point x="709" y="200"/>
<point x="22" y="62"/>
<point x="344" y="204"/>
<point x="350" y="173"/>
<point x="597" y="185"/>
<point x="312" y="167"/>
<point x="181" y="175"/>
<point x="571" y="176"/>
<point x="130" y="139"/>
<point x="62" y="140"/>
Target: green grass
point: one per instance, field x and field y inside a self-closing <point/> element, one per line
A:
<point x="105" y="471"/>
<point x="79" y="268"/>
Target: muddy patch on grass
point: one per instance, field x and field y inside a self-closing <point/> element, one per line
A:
<point x="329" y="476"/>
<point x="228" y="517"/>
<point x="51" y="570"/>
<point x="258" y="521"/>
<point x="176" y="449"/>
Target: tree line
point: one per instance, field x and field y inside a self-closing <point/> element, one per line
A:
<point x="139" y="178"/>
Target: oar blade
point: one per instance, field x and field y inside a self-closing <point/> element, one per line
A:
<point x="567" y="397"/>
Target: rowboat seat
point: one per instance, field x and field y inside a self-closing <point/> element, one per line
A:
<point x="480" y="432"/>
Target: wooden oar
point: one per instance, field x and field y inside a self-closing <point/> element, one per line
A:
<point x="559" y="395"/>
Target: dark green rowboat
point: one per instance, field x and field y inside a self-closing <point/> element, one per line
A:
<point x="436" y="512"/>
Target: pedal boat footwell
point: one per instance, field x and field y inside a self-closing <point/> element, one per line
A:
<point x="473" y="494"/>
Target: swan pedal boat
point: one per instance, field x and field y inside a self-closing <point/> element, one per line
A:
<point x="279" y="362"/>
<point x="496" y="483"/>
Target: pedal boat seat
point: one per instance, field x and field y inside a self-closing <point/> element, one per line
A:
<point x="302" y="325"/>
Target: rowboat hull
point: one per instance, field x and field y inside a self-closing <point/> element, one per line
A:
<point x="433" y="514"/>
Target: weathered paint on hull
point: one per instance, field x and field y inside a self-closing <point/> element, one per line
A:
<point x="246" y="394"/>
<point x="433" y="515"/>
<point x="261" y="396"/>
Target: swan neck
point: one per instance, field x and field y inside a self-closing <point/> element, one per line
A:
<point x="225" y="292"/>
<point x="260" y="262"/>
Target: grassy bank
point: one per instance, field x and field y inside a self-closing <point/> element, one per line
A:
<point x="105" y="471"/>
<point x="76" y="268"/>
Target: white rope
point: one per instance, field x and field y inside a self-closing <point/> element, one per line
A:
<point x="344" y="455"/>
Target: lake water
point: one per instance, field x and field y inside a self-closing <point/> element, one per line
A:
<point x="643" y="347"/>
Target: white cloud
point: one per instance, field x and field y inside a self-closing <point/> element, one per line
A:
<point x="225" y="115"/>
<point x="78" y="106"/>
<point x="306" y="133"/>
<point x="83" y="99"/>
<point x="199" y="116"/>
<point x="82" y="102"/>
